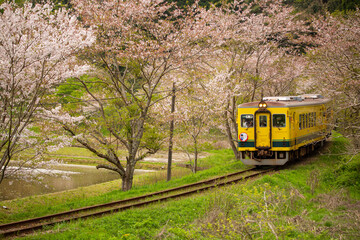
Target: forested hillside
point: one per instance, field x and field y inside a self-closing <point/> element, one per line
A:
<point x="311" y="7"/>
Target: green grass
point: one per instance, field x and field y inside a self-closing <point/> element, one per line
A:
<point x="135" y="224"/>
<point x="47" y="204"/>
<point x="296" y="203"/>
<point x="217" y="158"/>
<point x="74" y="151"/>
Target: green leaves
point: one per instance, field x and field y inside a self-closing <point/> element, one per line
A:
<point x="69" y="94"/>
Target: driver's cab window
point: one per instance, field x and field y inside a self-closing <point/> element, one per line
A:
<point x="263" y="121"/>
<point x="247" y="120"/>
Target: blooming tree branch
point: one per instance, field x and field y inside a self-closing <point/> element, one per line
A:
<point x="37" y="47"/>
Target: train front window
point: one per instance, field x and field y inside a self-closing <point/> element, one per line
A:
<point x="279" y="120"/>
<point x="247" y="120"/>
<point x="263" y="121"/>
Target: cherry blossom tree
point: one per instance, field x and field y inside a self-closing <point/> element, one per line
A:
<point x="261" y="57"/>
<point x="259" y="53"/>
<point x="334" y="70"/>
<point x="37" y="47"/>
<point x="140" y="43"/>
<point x="193" y="115"/>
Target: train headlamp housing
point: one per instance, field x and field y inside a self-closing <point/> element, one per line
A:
<point x="262" y="105"/>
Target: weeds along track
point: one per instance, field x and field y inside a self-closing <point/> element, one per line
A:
<point x="30" y="225"/>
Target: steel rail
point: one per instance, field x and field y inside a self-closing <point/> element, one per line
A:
<point x="30" y="225"/>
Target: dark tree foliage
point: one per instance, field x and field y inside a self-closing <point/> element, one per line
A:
<point x="320" y="6"/>
<point x="204" y="3"/>
<point x="58" y="3"/>
<point x="309" y="6"/>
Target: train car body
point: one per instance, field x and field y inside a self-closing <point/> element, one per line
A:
<point x="279" y="129"/>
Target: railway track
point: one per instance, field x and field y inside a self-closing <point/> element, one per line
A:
<point x="30" y="225"/>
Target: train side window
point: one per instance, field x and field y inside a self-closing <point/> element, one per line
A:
<point x="263" y="121"/>
<point x="314" y="119"/>
<point x="279" y="120"/>
<point x="247" y="120"/>
<point x="293" y="120"/>
<point x="304" y="121"/>
<point x="307" y="120"/>
<point x="300" y="121"/>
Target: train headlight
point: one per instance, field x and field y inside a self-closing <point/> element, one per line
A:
<point x="262" y="105"/>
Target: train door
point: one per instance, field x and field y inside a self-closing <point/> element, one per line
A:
<point x="263" y="130"/>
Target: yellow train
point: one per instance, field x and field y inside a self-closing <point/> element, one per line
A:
<point x="279" y="129"/>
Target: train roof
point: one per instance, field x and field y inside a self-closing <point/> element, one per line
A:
<point x="289" y="101"/>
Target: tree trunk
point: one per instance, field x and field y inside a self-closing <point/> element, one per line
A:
<point x="127" y="180"/>
<point x="3" y="164"/>
<point x="230" y="136"/>
<point x="134" y="144"/>
<point x="196" y="156"/>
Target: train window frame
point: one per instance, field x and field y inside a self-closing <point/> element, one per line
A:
<point x="300" y="121"/>
<point x="275" y="122"/>
<point x="246" y="117"/>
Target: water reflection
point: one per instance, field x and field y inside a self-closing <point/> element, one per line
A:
<point x="65" y="177"/>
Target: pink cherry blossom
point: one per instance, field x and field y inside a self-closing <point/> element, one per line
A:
<point x="37" y="47"/>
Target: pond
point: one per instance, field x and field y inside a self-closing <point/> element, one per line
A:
<point x="59" y="178"/>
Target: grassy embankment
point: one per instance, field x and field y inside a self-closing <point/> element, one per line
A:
<point x="35" y="206"/>
<point x="316" y="200"/>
